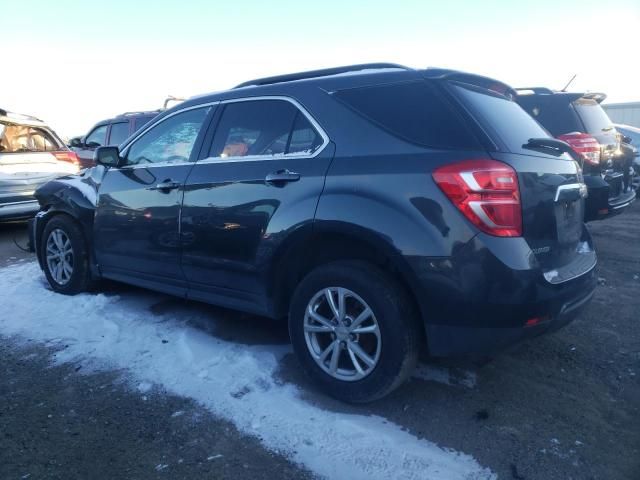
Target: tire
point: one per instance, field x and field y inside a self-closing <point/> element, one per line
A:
<point x="69" y="239"/>
<point x="394" y="349"/>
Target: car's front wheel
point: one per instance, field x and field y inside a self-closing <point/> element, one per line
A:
<point x="354" y="331"/>
<point x="64" y="256"/>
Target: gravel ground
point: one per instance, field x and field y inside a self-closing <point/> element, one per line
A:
<point x="566" y="405"/>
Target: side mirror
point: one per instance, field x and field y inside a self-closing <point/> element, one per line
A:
<point x="107" y="156"/>
<point x="626" y="139"/>
<point x="76" y="142"/>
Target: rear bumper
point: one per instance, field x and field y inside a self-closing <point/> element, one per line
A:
<point x="18" y="210"/>
<point x="479" y="302"/>
<point x="600" y="202"/>
<point x="448" y="340"/>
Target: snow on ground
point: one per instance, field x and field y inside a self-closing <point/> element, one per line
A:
<point x="232" y="380"/>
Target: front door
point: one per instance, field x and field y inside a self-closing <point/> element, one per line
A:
<point x="136" y="228"/>
<point x="261" y="180"/>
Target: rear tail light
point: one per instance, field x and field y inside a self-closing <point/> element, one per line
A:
<point x="486" y="192"/>
<point x="65" y="156"/>
<point x="585" y="145"/>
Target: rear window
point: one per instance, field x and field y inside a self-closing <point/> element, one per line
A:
<point x="593" y="116"/>
<point x="513" y="126"/>
<point x="413" y="111"/>
<point x="23" y="138"/>
<point x="557" y="116"/>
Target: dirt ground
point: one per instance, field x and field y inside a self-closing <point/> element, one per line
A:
<point x="562" y="406"/>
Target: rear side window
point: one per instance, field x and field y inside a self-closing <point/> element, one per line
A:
<point x="119" y="133"/>
<point x="263" y="128"/>
<point x="593" y="116"/>
<point x="413" y="111"/>
<point x="506" y="118"/>
<point x="22" y="138"/>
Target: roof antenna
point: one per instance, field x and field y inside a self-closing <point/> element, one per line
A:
<point x="569" y="83"/>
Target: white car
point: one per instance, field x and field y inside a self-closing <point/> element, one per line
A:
<point x="30" y="154"/>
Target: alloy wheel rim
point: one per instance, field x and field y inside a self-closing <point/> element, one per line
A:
<point x="342" y="334"/>
<point x="59" y="256"/>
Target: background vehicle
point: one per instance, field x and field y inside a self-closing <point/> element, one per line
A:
<point x="631" y="137"/>
<point x="579" y="120"/>
<point x="382" y="209"/>
<point x="30" y="154"/>
<point x="112" y="131"/>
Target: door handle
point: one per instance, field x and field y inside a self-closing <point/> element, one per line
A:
<point x="282" y="176"/>
<point x="166" y="185"/>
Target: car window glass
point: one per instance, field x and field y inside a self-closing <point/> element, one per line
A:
<point x="260" y="127"/>
<point x="170" y="141"/>
<point x="141" y="122"/>
<point x="593" y="116"/>
<point x="557" y="116"/>
<point x="412" y="111"/>
<point x="509" y="121"/>
<point x="97" y="137"/>
<point x="119" y="133"/>
<point x="304" y="139"/>
<point x="22" y="138"/>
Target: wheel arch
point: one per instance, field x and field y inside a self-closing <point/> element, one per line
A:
<point x="334" y="242"/>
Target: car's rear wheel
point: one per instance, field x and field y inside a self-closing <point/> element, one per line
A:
<point x="64" y="256"/>
<point x="354" y="331"/>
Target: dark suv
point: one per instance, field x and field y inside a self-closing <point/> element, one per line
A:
<point x="112" y="131"/>
<point x="578" y="119"/>
<point x="381" y="209"/>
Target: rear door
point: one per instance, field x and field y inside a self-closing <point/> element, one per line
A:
<point x="551" y="186"/>
<point x="136" y="227"/>
<point x="259" y="183"/>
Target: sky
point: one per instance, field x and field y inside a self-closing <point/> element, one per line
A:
<point x="74" y="63"/>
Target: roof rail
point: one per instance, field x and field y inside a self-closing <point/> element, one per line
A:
<point x="142" y="112"/>
<point x="19" y="116"/>
<point x="319" y="73"/>
<point x="535" y="90"/>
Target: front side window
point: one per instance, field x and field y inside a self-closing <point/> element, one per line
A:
<point x="97" y="137"/>
<point x="23" y="138"/>
<point x="263" y="128"/>
<point x="119" y="133"/>
<point x="170" y="141"/>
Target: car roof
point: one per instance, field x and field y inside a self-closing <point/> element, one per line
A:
<point x="536" y="92"/>
<point x="21" y="119"/>
<point x="331" y="79"/>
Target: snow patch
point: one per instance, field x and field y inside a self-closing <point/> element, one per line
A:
<point x="118" y="332"/>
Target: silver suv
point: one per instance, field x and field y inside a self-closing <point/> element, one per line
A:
<point x="30" y="154"/>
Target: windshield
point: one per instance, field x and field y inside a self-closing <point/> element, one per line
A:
<point x="593" y="116"/>
<point x="24" y="138"/>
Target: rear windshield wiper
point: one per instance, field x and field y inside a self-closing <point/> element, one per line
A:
<point x="552" y="146"/>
